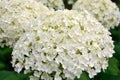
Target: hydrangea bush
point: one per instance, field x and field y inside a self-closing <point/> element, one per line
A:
<point x="14" y="16"/>
<point x="50" y="43"/>
<point x="105" y="11"/>
<point x="63" y="44"/>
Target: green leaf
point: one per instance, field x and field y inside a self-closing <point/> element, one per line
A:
<point x="117" y="50"/>
<point x="115" y="32"/>
<point x="83" y="76"/>
<point x="2" y="65"/>
<point x="108" y="77"/>
<point x="5" y="58"/>
<point x="113" y="68"/>
<point x="7" y="75"/>
<point x="118" y="5"/>
<point x="5" y="51"/>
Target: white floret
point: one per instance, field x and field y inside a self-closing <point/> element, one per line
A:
<point x="53" y="4"/>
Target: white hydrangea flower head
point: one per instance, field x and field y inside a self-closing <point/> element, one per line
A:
<point x="53" y="4"/>
<point x="63" y="44"/>
<point x="14" y="15"/>
<point x="105" y="11"/>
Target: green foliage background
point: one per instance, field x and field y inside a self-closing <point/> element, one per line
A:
<point x="112" y="72"/>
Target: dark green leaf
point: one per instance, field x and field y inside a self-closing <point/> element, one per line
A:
<point x="7" y="75"/>
<point x="2" y="65"/>
<point x="108" y="77"/>
<point x="113" y="68"/>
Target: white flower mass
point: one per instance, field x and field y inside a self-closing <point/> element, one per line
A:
<point x="105" y="11"/>
<point x="53" y="4"/>
<point x="61" y="45"/>
<point x="14" y="16"/>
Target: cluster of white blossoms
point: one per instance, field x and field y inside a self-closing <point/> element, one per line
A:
<point x="105" y="11"/>
<point x="53" y="4"/>
<point x="14" y="16"/>
<point x="61" y="45"/>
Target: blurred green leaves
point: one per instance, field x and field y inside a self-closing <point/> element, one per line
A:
<point x="113" y="68"/>
<point x="7" y="75"/>
<point x="5" y="58"/>
<point x="2" y="65"/>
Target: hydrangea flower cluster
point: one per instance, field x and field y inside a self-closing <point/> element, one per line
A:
<point x="105" y="11"/>
<point x="61" y="45"/>
<point x="53" y="4"/>
<point x="14" y="16"/>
